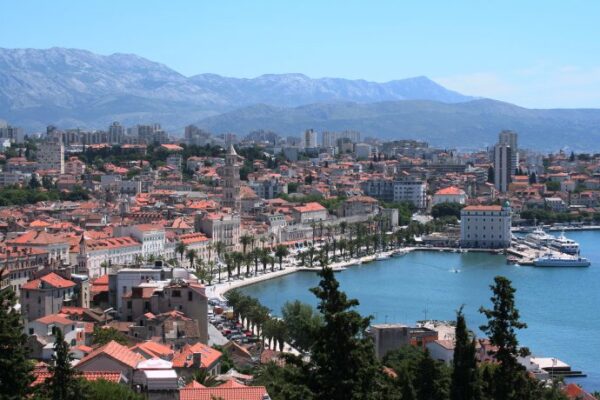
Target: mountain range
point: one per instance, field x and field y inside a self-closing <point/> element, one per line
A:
<point x="77" y="88"/>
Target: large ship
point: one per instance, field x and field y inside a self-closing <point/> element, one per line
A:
<point x="565" y="245"/>
<point x="551" y="260"/>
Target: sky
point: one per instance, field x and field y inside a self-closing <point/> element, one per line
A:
<point x="538" y="54"/>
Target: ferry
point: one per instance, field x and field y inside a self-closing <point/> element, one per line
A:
<point x="550" y="260"/>
<point x="565" y="245"/>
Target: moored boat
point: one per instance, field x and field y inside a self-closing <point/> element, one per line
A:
<point x="551" y="260"/>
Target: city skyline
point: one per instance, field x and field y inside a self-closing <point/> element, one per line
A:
<point x="464" y="46"/>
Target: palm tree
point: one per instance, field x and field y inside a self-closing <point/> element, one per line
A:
<point x="150" y="258"/>
<point x="191" y="256"/>
<point x="263" y="240"/>
<point x="138" y="260"/>
<point x="248" y="261"/>
<point x="343" y="227"/>
<point x="280" y="252"/>
<point x="238" y="259"/>
<point x="245" y="239"/>
<point x="264" y="259"/>
<point x="272" y="262"/>
<point x="228" y="263"/>
<point x="219" y="248"/>
<point x="256" y="257"/>
<point x="180" y="248"/>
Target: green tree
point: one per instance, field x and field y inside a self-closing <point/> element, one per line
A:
<point x="103" y="335"/>
<point x="465" y="377"/>
<point x="104" y="390"/>
<point x="503" y="322"/>
<point x="343" y="358"/>
<point x="281" y="252"/>
<point x="181" y="248"/>
<point x="446" y="209"/>
<point x="303" y="323"/>
<point x="15" y="369"/>
<point x="431" y="380"/>
<point x="63" y="383"/>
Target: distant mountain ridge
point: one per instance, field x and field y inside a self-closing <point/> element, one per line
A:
<point x="472" y="124"/>
<point x="77" y="88"/>
<point x="70" y="87"/>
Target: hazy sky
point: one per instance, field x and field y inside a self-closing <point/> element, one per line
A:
<point x="532" y="53"/>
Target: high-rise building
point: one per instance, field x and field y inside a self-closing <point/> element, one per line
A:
<point x="509" y="138"/>
<point x="51" y="155"/>
<point x="13" y="133"/>
<point x="502" y="166"/>
<point x="231" y="181"/>
<point x="310" y="139"/>
<point x="115" y="133"/>
<point x="329" y="139"/>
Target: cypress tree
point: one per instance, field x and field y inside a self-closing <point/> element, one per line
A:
<point x="15" y="369"/>
<point x="63" y="384"/>
<point x="503" y="321"/>
<point x="343" y="358"/>
<point x="430" y="381"/>
<point x="465" y="378"/>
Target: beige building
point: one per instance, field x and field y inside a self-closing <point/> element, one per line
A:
<point x="485" y="226"/>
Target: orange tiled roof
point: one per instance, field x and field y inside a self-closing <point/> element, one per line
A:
<point x="115" y="351"/>
<point x="153" y="348"/>
<point x="450" y="190"/>
<point x="208" y="356"/>
<point x="52" y="279"/>
<point x="224" y="392"/>
<point x="483" y="208"/>
<point x="55" y="319"/>
<point x="308" y="207"/>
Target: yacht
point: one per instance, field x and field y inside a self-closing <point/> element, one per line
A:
<point x="551" y="260"/>
<point x="539" y="237"/>
<point x="565" y="245"/>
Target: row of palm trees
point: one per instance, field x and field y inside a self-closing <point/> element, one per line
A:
<point x="251" y="259"/>
<point x="257" y="318"/>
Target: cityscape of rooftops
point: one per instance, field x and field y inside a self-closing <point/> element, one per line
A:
<point x="313" y="201"/>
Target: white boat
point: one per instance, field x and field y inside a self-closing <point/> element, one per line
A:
<point x="382" y="256"/>
<point x="551" y="260"/>
<point x="565" y="245"/>
<point x="540" y="238"/>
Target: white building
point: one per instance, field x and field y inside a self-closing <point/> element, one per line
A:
<point x="362" y="150"/>
<point x="411" y="190"/>
<point x="51" y="155"/>
<point x="96" y="256"/>
<point x="152" y="237"/>
<point x="485" y="226"/>
<point x="450" y="194"/>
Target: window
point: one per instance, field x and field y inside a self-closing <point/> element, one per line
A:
<point x="176" y="293"/>
<point x="190" y="295"/>
<point x="129" y="305"/>
<point x="31" y="331"/>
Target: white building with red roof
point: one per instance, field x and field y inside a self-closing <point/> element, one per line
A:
<point x="309" y="212"/>
<point x="486" y="226"/>
<point x="450" y="194"/>
<point x="97" y="255"/>
<point x="46" y="295"/>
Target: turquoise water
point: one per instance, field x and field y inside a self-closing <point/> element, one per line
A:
<point x="561" y="306"/>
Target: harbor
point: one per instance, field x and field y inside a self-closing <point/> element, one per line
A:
<point x="424" y="283"/>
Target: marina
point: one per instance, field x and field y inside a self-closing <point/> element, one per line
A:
<point x="554" y="302"/>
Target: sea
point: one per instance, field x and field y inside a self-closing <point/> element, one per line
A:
<point x="561" y="306"/>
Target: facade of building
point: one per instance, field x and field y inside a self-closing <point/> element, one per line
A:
<point x="220" y="227"/>
<point x="151" y="237"/>
<point x="502" y="166"/>
<point x="51" y="156"/>
<point x="450" y="194"/>
<point x="231" y="181"/>
<point x="413" y="191"/>
<point x="115" y="133"/>
<point x="46" y="295"/>
<point x="98" y="255"/>
<point x="485" y="226"/>
<point x="310" y="139"/>
<point x="509" y="138"/>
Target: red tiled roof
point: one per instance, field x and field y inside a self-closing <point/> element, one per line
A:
<point x="308" y="207"/>
<point x="483" y="208"/>
<point x="115" y="351"/>
<point x="111" y="243"/>
<point x="55" y="319"/>
<point x="450" y="190"/>
<point x="208" y="356"/>
<point x="52" y="280"/>
<point x="153" y="348"/>
<point x="223" y="392"/>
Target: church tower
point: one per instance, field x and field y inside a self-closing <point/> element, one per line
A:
<point x="231" y="181"/>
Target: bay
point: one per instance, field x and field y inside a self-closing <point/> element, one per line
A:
<point x="561" y="306"/>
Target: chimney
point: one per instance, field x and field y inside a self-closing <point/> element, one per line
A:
<point x="196" y="359"/>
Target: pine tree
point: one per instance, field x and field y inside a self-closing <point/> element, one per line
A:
<point x="430" y="381"/>
<point x="503" y="321"/>
<point x="343" y="357"/>
<point x="465" y="378"/>
<point x="63" y="383"/>
<point x="15" y="369"/>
